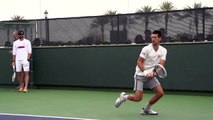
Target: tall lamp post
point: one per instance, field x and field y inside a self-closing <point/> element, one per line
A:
<point x="47" y="26"/>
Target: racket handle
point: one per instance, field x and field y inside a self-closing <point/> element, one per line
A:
<point x="154" y="73"/>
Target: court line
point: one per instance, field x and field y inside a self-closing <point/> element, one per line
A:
<point x="27" y="115"/>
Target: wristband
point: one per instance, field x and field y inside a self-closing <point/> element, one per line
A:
<point x="145" y="72"/>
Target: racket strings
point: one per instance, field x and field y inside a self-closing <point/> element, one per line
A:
<point x="160" y="72"/>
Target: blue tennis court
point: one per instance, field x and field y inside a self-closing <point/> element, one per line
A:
<point x="6" y="116"/>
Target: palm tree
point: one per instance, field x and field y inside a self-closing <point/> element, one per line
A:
<point x="196" y="13"/>
<point x="124" y="20"/>
<point x="9" y="25"/>
<point x="17" y="18"/>
<point x="112" y="18"/>
<point x="99" y="22"/>
<point x="167" y="6"/>
<point x="146" y="17"/>
<point x="211" y="29"/>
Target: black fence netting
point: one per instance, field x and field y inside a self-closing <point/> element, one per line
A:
<point x="176" y="26"/>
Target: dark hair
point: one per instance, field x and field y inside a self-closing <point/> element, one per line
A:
<point x="157" y="32"/>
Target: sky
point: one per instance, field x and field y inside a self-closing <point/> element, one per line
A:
<point x="34" y="9"/>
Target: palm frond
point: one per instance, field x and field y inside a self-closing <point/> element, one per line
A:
<point x="17" y="18"/>
<point x="167" y="6"/>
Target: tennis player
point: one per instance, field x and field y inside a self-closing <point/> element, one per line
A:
<point x="22" y="50"/>
<point x="150" y="55"/>
<point x="15" y="36"/>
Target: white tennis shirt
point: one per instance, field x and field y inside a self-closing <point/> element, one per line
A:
<point x="151" y="57"/>
<point x="21" y="48"/>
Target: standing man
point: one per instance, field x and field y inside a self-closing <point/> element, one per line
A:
<point x="22" y="50"/>
<point x="15" y="36"/>
<point x="150" y="55"/>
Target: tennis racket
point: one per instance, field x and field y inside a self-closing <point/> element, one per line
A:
<point x="159" y="70"/>
<point x="14" y="73"/>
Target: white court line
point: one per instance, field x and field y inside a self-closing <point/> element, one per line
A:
<point x="27" y="115"/>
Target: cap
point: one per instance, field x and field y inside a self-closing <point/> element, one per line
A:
<point x="20" y="32"/>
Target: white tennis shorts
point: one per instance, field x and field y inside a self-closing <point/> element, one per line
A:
<point x="140" y="81"/>
<point x="22" y="65"/>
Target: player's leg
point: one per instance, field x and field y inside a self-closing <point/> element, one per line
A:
<point x="158" y="90"/>
<point x="138" y="88"/>
<point x="158" y="94"/>
<point x="22" y="74"/>
<point x="19" y="75"/>
<point x="20" y="79"/>
<point x="136" y="97"/>
<point x="26" y="67"/>
<point x="26" y="78"/>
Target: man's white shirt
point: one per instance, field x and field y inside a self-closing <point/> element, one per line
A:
<point x="151" y="57"/>
<point x="21" y="48"/>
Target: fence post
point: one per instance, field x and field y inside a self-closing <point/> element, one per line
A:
<point x="204" y="23"/>
<point x="47" y="26"/>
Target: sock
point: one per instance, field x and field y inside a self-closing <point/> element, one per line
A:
<point x="148" y="106"/>
<point x="125" y="97"/>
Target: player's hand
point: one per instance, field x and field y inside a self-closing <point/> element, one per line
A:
<point x="13" y="63"/>
<point x="150" y="75"/>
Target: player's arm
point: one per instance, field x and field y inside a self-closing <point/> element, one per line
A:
<point x="29" y="50"/>
<point x="163" y="57"/>
<point x="162" y="62"/>
<point x="28" y="56"/>
<point x="13" y="55"/>
<point x="140" y="63"/>
<point x="14" y="60"/>
<point x="141" y="59"/>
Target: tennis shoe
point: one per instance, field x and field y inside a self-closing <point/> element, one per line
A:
<point x="120" y="100"/>
<point x="20" y="89"/>
<point x="19" y="86"/>
<point x="148" y="112"/>
<point x="25" y="90"/>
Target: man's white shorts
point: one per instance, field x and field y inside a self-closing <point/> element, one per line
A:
<point x="22" y="64"/>
<point x="140" y="81"/>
